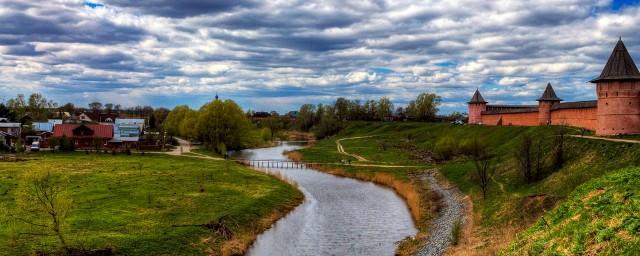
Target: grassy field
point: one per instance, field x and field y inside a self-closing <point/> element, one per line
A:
<point x="146" y="205"/>
<point x="601" y="217"/>
<point x="511" y="204"/>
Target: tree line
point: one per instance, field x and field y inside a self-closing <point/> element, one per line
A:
<point x="326" y="120"/>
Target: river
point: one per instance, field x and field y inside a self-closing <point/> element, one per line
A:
<point x="340" y="216"/>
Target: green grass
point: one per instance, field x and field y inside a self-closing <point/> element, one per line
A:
<point x="601" y="217"/>
<point x="510" y="202"/>
<point x="131" y="202"/>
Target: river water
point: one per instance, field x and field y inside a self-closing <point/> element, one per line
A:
<point x="340" y="216"/>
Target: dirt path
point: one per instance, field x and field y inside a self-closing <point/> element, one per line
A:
<point x="606" y="139"/>
<point x="184" y="149"/>
<point x="453" y="210"/>
<point x="342" y="151"/>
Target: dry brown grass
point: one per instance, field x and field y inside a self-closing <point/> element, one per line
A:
<point x="479" y="241"/>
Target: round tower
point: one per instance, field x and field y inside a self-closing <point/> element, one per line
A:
<point x="618" y="90"/>
<point x="477" y="105"/>
<point x="545" y="104"/>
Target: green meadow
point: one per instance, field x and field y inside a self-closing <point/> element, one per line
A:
<point x="144" y="204"/>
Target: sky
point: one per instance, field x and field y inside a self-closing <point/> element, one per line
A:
<point x="277" y="54"/>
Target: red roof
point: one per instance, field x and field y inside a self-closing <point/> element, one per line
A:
<point x="99" y="130"/>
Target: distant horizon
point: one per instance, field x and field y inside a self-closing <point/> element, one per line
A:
<point x="278" y="56"/>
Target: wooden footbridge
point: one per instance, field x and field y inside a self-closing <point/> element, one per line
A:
<point x="275" y="163"/>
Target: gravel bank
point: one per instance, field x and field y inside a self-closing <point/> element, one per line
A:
<point x="441" y="227"/>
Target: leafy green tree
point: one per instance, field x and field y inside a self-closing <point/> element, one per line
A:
<point x="223" y="122"/>
<point x="175" y="119"/>
<point x="384" y="109"/>
<point x="424" y="108"/>
<point x="329" y="124"/>
<point x="306" y="117"/>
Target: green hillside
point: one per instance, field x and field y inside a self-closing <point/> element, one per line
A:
<point x="601" y="217"/>
<point x="511" y="204"/>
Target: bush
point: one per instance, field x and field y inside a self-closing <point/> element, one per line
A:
<point x="446" y="148"/>
<point x="66" y="144"/>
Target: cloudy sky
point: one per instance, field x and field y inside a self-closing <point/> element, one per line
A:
<point x="278" y="54"/>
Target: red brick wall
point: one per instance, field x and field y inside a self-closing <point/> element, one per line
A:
<point x="518" y="119"/>
<point x="577" y="117"/>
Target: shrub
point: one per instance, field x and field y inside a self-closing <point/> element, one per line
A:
<point x="446" y="148"/>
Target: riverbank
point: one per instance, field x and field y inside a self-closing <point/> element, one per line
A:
<point x="339" y="215"/>
<point x="423" y="203"/>
<point x="511" y="204"/>
<point x="145" y="205"/>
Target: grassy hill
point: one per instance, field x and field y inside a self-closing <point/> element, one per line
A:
<point x="145" y="205"/>
<point x="511" y="204"/>
<point x="601" y="217"/>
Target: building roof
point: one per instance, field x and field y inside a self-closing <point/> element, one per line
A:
<point x="42" y="126"/>
<point x="99" y="130"/>
<point x="549" y="94"/>
<point x="10" y="125"/>
<point x="620" y="66"/>
<point x="576" y="104"/>
<point x="477" y="98"/>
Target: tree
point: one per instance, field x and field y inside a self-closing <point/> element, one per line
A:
<point x="152" y="122"/>
<point x="384" y="108"/>
<point x="175" y="120"/>
<point x="329" y="123"/>
<point x="482" y="158"/>
<point x="95" y="106"/>
<point x="559" y="147"/>
<point x="108" y="107"/>
<point x="7" y="113"/>
<point x="18" y="106"/>
<point x="43" y="204"/>
<point x="306" y="117"/>
<point x="342" y="108"/>
<point x="424" y="108"/>
<point x="37" y="106"/>
<point x="222" y="122"/>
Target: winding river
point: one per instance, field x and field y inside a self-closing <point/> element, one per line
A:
<point x="340" y="216"/>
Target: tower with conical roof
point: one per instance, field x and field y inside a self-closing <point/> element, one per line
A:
<point x="618" y="90"/>
<point x="545" y="104"/>
<point x="477" y="105"/>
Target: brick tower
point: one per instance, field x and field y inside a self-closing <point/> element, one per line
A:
<point x="618" y="90"/>
<point x="477" y="104"/>
<point x="545" y="103"/>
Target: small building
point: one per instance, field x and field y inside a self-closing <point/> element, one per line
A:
<point x="85" y="135"/>
<point x="42" y="131"/>
<point x="9" y="133"/>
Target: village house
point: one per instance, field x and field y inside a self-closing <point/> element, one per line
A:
<point x="85" y="135"/>
<point x="616" y="110"/>
<point x="9" y="132"/>
<point x="41" y="132"/>
<point x="127" y="132"/>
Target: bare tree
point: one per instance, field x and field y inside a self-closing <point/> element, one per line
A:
<point x="43" y="205"/>
<point x="483" y="160"/>
<point x="559" y="147"/>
